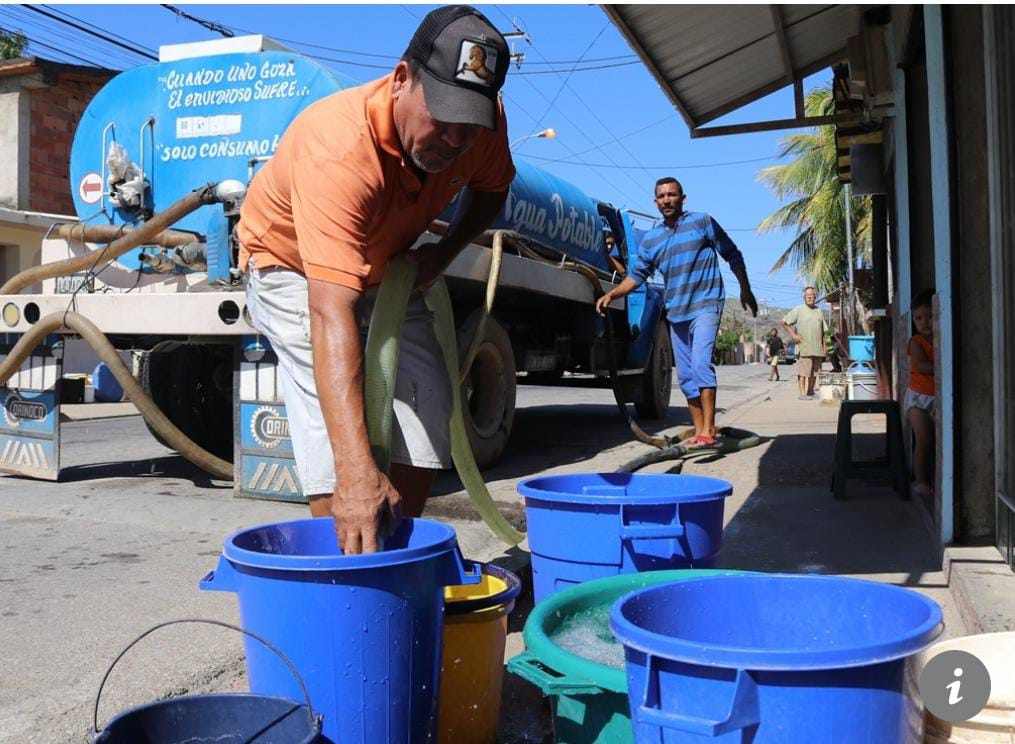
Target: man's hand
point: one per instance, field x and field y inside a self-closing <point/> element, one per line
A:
<point x="604" y="302"/>
<point x="361" y="507"/>
<point x="748" y="302"/>
<point x="798" y="338"/>
<point x="431" y="260"/>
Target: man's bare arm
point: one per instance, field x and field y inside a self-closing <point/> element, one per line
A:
<point x="362" y="493"/>
<point x="474" y="215"/>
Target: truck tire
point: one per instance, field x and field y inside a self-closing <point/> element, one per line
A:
<point x="488" y="393"/>
<point x="657" y="380"/>
<point x="192" y="385"/>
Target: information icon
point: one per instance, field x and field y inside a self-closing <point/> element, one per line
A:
<point x="955" y="686"/>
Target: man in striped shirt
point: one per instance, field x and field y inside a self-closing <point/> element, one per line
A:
<point x="686" y="248"/>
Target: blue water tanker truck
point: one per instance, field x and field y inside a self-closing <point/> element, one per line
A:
<point x="160" y="164"/>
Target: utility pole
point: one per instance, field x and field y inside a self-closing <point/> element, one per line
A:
<point x="849" y="259"/>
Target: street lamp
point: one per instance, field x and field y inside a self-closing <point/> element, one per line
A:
<point x="546" y="133"/>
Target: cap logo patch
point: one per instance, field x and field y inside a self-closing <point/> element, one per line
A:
<point x="477" y="63"/>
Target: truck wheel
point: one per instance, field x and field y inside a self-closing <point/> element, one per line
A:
<point x="657" y="380"/>
<point x="192" y="385"/>
<point x="488" y="393"/>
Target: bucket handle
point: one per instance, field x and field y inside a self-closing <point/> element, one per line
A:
<point x="315" y="721"/>
<point x="743" y="710"/>
<point x="529" y="667"/>
<point x="649" y="531"/>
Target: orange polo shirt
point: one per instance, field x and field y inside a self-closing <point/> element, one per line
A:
<point x="338" y="199"/>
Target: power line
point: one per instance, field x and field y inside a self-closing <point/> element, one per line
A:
<point x="93" y="26"/>
<point x="580" y="69"/>
<point x="595" y="115"/>
<point x="590" y="60"/>
<point x="57" y="36"/>
<point x="326" y="48"/>
<point x="61" y="51"/>
<point x="210" y="25"/>
<point x="578" y="128"/>
<point x="322" y="46"/>
<point x="566" y="146"/>
<point x="633" y="132"/>
<point x="659" y="167"/>
<point x="553" y="101"/>
<point x="102" y="36"/>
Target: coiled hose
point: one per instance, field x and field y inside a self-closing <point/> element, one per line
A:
<point x="667" y="448"/>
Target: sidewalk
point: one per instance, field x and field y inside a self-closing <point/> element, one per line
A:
<point x="89" y="411"/>
<point x="782" y="516"/>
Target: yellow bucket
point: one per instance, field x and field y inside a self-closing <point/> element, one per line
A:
<point x="472" y="665"/>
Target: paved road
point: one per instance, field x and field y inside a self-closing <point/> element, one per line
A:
<point x="120" y="544"/>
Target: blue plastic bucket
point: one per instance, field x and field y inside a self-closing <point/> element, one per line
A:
<point x="364" y="631"/>
<point x="773" y="658"/>
<point x="225" y="718"/>
<point x="861" y="348"/>
<point x="107" y="388"/>
<point x="589" y="526"/>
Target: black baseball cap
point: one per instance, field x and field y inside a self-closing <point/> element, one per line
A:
<point x="463" y="61"/>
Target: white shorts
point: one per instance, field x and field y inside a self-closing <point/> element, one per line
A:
<point x="277" y="300"/>
<point x="922" y="401"/>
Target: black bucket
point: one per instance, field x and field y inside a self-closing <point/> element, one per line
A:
<point x="222" y="718"/>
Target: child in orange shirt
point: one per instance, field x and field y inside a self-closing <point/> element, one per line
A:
<point x="919" y="401"/>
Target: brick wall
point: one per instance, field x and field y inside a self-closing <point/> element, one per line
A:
<point x="55" y="112"/>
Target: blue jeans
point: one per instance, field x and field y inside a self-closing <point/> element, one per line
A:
<point x="693" y="342"/>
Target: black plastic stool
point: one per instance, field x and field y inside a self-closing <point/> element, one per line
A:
<point x="846" y="467"/>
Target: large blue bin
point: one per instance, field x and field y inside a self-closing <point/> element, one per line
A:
<point x="107" y="387"/>
<point x="364" y="631"/>
<point x="861" y="348"/>
<point x="773" y="658"/>
<point x="589" y="526"/>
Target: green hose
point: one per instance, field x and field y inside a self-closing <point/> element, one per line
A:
<point x="381" y="361"/>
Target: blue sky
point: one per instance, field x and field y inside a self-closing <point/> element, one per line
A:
<point x="616" y="131"/>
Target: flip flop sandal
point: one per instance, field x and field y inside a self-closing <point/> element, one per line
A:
<point x="701" y="441"/>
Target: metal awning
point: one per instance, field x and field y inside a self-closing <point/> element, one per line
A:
<point x="713" y="59"/>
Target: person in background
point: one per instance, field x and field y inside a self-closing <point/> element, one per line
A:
<point x="356" y="179"/>
<point x="613" y="253"/>
<point x="775" y="348"/>
<point x="686" y="249"/>
<point x="918" y="404"/>
<point x="806" y="325"/>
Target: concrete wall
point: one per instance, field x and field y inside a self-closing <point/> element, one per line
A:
<point x="20" y="248"/>
<point x="974" y="471"/>
<point x="14" y="126"/>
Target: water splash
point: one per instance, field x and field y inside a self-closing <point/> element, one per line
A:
<point x="587" y="634"/>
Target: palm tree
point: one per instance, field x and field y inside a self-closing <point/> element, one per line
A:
<point x="817" y="203"/>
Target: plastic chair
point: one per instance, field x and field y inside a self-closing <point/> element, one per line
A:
<point x="846" y="467"/>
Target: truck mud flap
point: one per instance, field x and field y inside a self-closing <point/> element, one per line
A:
<point x="264" y="464"/>
<point x="30" y="414"/>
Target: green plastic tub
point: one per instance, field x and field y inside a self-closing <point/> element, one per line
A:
<point x="589" y="699"/>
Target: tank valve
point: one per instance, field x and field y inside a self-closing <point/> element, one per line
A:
<point x="230" y="192"/>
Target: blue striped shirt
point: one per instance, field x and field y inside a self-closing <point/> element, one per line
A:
<point x="685" y="255"/>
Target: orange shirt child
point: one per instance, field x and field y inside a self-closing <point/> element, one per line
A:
<point x="921" y="382"/>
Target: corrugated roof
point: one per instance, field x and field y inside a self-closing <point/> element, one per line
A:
<point x="711" y="59"/>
